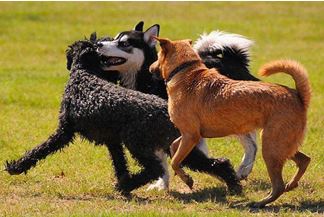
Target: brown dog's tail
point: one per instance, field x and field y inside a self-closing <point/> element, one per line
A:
<point x="296" y="70"/>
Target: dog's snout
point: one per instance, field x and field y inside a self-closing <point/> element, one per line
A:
<point x="154" y="67"/>
<point x="99" y="44"/>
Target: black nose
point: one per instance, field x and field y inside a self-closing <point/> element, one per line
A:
<point x="99" y="44"/>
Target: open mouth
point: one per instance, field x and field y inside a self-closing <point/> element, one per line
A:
<point x="112" y="61"/>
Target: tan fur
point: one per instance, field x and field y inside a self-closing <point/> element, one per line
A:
<point x="296" y="70"/>
<point x="204" y="103"/>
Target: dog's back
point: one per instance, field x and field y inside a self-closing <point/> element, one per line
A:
<point x="236" y="107"/>
<point x="243" y="105"/>
<point x="96" y="103"/>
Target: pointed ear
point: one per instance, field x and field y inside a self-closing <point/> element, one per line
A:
<point x="165" y="43"/>
<point x="139" y="26"/>
<point x="93" y="37"/>
<point x="151" y="32"/>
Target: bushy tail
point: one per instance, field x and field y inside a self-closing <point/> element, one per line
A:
<point x="226" y="52"/>
<point x="61" y="138"/>
<point x="296" y="70"/>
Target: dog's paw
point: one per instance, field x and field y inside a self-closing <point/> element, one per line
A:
<point x="123" y="191"/>
<point x="189" y="182"/>
<point x="244" y="171"/>
<point x="123" y="185"/>
<point x="13" y="168"/>
<point x="291" y="186"/>
<point x="159" y="185"/>
<point x="241" y="176"/>
<point x="235" y="189"/>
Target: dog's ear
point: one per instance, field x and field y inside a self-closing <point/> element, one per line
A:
<point x="89" y="57"/>
<point x="150" y="33"/>
<point x="189" y="41"/>
<point x="93" y="37"/>
<point x="165" y="43"/>
<point x="139" y="26"/>
<point x="69" y="58"/>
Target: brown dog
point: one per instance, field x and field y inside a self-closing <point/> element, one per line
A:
<point x="203" y="103"/>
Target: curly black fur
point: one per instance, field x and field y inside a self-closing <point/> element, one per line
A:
<point x="107" y="114"/>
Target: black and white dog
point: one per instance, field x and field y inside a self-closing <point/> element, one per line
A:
<point x="131" y="53"/>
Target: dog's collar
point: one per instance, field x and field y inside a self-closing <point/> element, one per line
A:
<point x="180" y="68"/>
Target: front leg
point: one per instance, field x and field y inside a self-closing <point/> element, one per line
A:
<point x="174" y="146"/>
<point x="117" y="154"/>
<point x="186" y="143"/>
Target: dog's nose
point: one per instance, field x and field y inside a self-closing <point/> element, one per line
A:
<point x="99" y="44"/>
<point x="154" y="68"/>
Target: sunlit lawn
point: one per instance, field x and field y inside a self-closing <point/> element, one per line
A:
<point x="33" y="38"/>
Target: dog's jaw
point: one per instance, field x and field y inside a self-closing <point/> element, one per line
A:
<point x="128" y="70"/>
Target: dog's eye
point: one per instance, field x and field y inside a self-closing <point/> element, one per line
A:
<point x="124" y="44"/>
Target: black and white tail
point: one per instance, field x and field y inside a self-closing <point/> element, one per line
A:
<point x="228" y="53"/>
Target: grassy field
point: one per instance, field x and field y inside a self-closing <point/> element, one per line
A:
<point x="79" y="180"/>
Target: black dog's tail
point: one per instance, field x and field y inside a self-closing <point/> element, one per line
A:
<point x="61" y="138"/>
<point x="228" y="53"/>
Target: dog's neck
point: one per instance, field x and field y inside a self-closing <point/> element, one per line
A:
<point x="128" y="79"/>
<point x="181" y="68"/>
<point x="191" y="76"/>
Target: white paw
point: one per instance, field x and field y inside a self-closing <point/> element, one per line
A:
<point x="244" y="171"/>
<point x="159" y="185"/>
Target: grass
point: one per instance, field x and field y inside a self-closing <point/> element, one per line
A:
<point x="79" y="180"/>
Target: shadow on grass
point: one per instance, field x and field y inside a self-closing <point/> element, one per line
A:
<point x="304" y="206"/>
<point x="218" y="195"/>
<point x="214" y="194"/>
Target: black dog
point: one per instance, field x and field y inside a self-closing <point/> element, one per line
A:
<point x="107" y="114"/>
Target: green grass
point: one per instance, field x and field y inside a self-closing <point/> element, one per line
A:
<point x="33" y="38"/>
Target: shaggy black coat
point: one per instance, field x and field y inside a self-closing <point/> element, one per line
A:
<point x="110" y="115"/>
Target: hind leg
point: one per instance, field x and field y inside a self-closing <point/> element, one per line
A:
<point x="163" y="182"/>
<point x="152" y="169"/>
<point x="302" y="162"/>
<point x="275" y="151"/>
<point x="274" y="167"/>
<point x="250" y="147"/>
